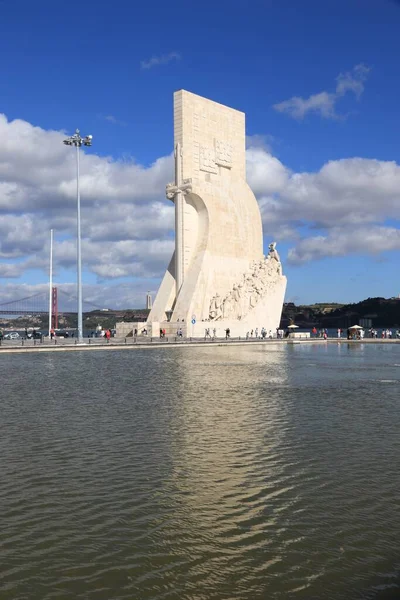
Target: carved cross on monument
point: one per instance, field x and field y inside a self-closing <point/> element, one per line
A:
<point x="176" y="191"/>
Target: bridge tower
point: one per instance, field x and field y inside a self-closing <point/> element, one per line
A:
<point x="54" y="308"/>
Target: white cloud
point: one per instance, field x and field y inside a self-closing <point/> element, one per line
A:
<point x="264" y="142"/>
<point x="124" y="213"/>
<point x="122" y="258"/>
<point x="156" y="61"/>
<point x="297" y="107"/>
<point x="127" y="224"/>
<point x="348" y="191"/>
<point x="344" y="241"/>
<point x="349" y="200"/>
<point x="352" y="81"/>
<point x="265" y="172"/>
<point x="324" y="103"/>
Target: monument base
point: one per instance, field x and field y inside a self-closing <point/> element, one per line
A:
<point x="265" y="315"/>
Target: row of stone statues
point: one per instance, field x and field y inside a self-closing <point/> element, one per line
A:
<point x="246" y="294"/>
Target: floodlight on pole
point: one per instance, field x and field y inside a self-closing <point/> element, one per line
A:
<point x="77" y="141"/>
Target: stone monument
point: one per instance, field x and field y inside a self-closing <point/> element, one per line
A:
<point x="218" y="276"/>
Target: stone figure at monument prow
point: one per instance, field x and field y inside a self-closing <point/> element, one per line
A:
<point x="218" y="271"/>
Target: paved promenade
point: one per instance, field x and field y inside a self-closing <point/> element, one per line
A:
<point x="70" y="344"/>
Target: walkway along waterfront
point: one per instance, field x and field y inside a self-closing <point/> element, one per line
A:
<point x="68" y="345"/>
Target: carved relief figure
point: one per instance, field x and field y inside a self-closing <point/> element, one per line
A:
<point x="228" y="306"/>
<point x="273" y="252"/>
<point x="237" y="297"/>
<point x="215" y="311"/>
<point x="245" y="295"/>
<point x="212" y="312"/>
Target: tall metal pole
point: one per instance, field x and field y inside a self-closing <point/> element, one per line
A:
<point x="79" y="253"/>
<point x="77" y="141"/>
<point x="51" y="282"/>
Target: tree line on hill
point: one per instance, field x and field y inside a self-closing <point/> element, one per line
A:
<point x="382" y="312"/>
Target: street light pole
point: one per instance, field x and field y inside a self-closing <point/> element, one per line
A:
<point x="77" y="141"/>
<point x="50" y="283"/>
<point x="79" y="250"/>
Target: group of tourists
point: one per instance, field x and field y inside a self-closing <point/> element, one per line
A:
<point x="386" y="334"/>
<point x="360" y="334"/>
<point x="256" y="333"/>
<point x="357" y="333"/>
<point x="262" y="334"/>
<point x="207" y="333"/>
<point x="322" y="333"/>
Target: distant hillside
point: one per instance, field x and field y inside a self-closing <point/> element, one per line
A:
<point x="382" y="311"/>
<point x="106" y="318"/>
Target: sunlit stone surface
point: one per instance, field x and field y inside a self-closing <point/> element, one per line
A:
<point x="218" y="275"/>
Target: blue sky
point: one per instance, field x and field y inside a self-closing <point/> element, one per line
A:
<point x="112" y="67"/>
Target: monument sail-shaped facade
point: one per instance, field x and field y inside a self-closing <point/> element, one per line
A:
<point x="218" y="277"/>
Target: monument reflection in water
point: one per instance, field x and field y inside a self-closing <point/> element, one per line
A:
<point x="236" y="472"/>
<point x="223" y="446"/>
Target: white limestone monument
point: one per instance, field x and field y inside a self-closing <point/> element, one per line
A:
<point x="218" y="276"/>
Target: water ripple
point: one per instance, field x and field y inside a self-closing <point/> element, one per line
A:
<point x="215" y="474"/>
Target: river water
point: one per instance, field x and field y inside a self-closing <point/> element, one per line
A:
<point x="254" y="472"/>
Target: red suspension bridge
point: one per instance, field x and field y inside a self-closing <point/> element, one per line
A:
<point x="38" y="304"/>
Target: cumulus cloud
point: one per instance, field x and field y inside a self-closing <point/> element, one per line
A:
<point x="265" y="173"/>
<point x="156" y="61"/>
<point x="123" y="209"/>
<point x="348" y="201"/>
<point x="324" y="103"/>
<point x="127" y="224"/>
<point x="264" y="142"/>
<point x="344" y="241"/>
<point x="347" y="191"/>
